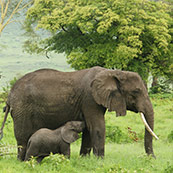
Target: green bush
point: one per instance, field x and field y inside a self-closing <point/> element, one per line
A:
<point x="116" y="135"/>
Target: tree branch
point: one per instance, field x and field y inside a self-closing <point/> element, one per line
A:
<point x="47" y="55"/>
<point x="6" y="8"/>
<point x="80" y="31"/>
<point x="4" y="13"/>
<point x="64" y="29"/>
<point x="26" y="5"/>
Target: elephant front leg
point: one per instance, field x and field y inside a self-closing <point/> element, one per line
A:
<point x="96" y="128"/>
<point x="86" y="143"/>
<point x="94" y="137"/>
<point x="98" y="139"/>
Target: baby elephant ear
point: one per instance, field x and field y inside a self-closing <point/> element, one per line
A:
<point x="106" y="90"/>
<point x="69" y="135"/>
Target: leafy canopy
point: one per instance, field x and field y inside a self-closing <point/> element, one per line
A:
<point x="130" y="35"/>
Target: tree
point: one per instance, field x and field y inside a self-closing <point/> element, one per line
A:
<point x="9" y="9"/>
<point x="130" y="35"/>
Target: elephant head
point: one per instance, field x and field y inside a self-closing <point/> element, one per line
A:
<point x="70" y="130"/>
<point x="120" y="91"/>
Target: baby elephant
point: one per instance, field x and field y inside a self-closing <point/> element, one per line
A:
<point x="44" y="141"/>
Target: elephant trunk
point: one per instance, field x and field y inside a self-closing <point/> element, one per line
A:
<point x="148" y="118"/>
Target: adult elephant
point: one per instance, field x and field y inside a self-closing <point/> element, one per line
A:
<point x="49" y="98"/>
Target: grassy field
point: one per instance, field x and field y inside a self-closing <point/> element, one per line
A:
<point x="123" y="155"/>
<point x="124" y="150"/>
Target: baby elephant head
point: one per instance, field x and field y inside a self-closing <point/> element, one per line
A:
<point x="70" y="130"/>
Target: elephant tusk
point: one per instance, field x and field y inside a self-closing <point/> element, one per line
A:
<point x="147" y="126"/>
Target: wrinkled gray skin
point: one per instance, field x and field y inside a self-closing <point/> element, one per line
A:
<point x="48" y="99"/>
<point x="46" y="141"/>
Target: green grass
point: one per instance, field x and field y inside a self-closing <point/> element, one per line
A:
<point x="125" y="156"/>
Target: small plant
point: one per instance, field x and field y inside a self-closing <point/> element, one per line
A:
<point x="132" y="135"/>
<point x="32" y="162"/>
<point x="169" y="168"/>
<point x="55" y="161"/>
<point x="170" y="137"/>
<point x="117" y="168"/>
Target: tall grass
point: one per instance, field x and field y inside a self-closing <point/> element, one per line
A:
<point x="123" y="153"/>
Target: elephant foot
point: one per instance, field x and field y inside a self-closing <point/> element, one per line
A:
<point x="21" y="152"/>
<point x="85" y="151"/>
<point x="152" y="155"/>
<point x="99" y="152"/>
<point x="86" y="143"/>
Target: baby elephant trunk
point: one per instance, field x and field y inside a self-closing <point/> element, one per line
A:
<point x="80" y="126"/>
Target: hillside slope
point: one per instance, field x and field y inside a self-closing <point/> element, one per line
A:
<point x="14" y="62"/>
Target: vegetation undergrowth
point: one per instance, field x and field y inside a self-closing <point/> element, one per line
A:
<point x="124" y="148"/>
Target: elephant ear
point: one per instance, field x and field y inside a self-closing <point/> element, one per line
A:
<point x="69" y="135"/>
<point x="106" y="90"/>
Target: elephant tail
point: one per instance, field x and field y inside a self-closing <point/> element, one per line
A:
<point x="6" y="109"/>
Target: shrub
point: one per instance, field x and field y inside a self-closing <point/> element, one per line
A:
<point x="132" y="135"/>
<point x="116" y="135"/>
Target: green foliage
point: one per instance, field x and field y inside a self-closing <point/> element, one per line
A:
<point x="130" y="35"/>
<point x="169" y="168"/>
<point x="32" y="162"/>
<point x="163" y="86"/>
<point x="56" y="161"/>
<point x="6" y="90"/>
<point x="170" y="137"/>
<point x="116" y="135"/>
<point x="161" y="96"/>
